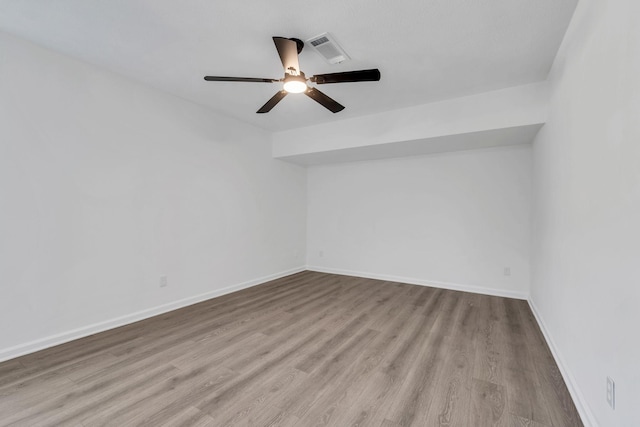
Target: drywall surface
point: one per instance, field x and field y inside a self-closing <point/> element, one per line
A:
<point x="520" y="106"/>
<point x="441" y="144"/>
<point x="454" y="220"/>
<point x="586" y="216"/>
<point x="106" y="185"/>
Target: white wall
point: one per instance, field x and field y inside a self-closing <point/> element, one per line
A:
<point x="586" y="217"/>
<point x="106" y="184"/>
<point x="453" y="220"/>
<point x="509" y="108"/>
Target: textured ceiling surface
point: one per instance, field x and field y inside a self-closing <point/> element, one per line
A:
<point x="426" y="50"/>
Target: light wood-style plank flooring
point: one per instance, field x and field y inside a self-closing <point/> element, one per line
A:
<point x="310" y="349"/>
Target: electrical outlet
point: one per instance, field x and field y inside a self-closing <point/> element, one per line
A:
<point x="163" y="281"/>
<point x="611" y="393"/>
<point x="507" y="271"/>
<point x="321" y="254"/>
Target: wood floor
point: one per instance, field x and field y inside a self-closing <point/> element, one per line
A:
<point x="310" y="349"/>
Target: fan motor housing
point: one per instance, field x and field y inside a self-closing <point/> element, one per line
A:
<point x="299" y="44"/>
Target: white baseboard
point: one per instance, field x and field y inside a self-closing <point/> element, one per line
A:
<point x="578" y="398"/>
<point x="53" y="340"/>
<point x="421" y="282"/>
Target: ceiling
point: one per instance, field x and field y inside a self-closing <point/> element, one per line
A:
<point x="426" y="50"/>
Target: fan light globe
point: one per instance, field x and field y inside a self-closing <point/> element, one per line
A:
<point x="295" y="85"/>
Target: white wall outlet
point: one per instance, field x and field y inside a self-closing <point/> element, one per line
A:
<point x="507" y="271"/>
<point x="611" y="393"/>
<point x="163" y="281"/>
<point x="321" y="254"/>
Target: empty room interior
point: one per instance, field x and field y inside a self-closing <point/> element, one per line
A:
<point x="349" y="213"/>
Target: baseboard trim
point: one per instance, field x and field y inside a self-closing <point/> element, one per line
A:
<point x="61" y="338"/>
<point x="421" y="282"/>
<point x="578" y="398"/>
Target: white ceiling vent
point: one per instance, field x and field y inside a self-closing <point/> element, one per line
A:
<point x="327" y="47"/>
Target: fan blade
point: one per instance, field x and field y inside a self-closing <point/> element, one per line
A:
<point x="288" y="51"/>
<point x="272" y="102"/>
<point x="238" y="79"/>
<point x="347" y="77"/>
<point x="324" y="100"/>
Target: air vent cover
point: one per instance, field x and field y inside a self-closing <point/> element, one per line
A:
<point x="327" y="47"/>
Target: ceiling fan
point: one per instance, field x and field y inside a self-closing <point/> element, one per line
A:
<point x="296" y="82"/>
